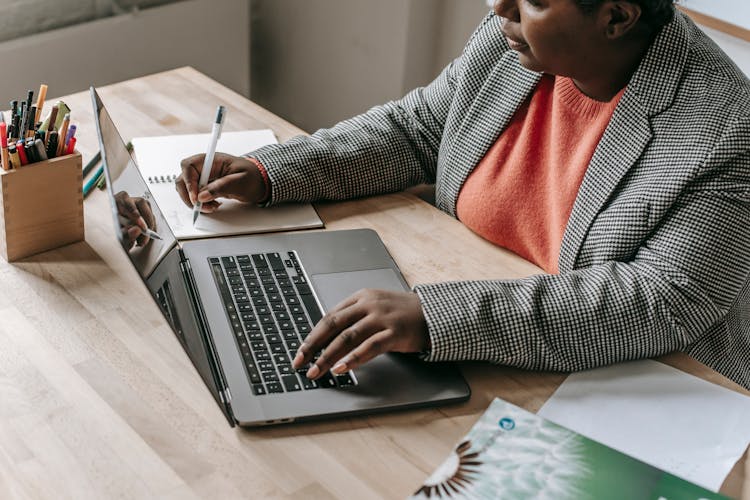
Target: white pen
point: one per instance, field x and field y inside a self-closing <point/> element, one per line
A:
<point x="208" y="162"/>
<point x="124" y="222"/>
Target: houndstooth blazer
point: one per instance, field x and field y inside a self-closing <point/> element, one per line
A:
<point x="656" y="253"/>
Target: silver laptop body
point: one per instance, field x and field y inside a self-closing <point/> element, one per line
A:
<point x="196" y="285"/>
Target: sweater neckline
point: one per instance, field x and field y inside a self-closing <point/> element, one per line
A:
<point x="579" y="102"/>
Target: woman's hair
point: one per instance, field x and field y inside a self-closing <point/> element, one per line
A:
<point x="654" y="13"/>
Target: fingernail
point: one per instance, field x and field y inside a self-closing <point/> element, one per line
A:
<point x="142" y="222"/>
<point x="340" y="368"/>
<point x="313" y="372"/>
<point x="298" y="359"/>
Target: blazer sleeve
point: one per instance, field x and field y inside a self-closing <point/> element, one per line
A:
<point x="387" y="149"/>
<point x="679" y="286"/>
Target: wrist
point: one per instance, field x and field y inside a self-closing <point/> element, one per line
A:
<point x="261" y="179"/>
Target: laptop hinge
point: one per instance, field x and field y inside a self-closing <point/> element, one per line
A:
<point x="200" y="317"/>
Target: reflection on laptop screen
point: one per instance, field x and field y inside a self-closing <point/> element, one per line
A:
<point x="124" y="185"/>
<point x="128" y="187"/>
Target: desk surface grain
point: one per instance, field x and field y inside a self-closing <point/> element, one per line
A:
<point x="98" y="400"/>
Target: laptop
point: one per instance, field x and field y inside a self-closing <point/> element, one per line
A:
<point x="240" y="306"/>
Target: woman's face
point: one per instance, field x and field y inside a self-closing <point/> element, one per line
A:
<point x="552" y="36"/>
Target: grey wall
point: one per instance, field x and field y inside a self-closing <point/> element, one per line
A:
<point x="135" y="43"/>
<point x="27" y="17"/>
<point x="318" y="62"/>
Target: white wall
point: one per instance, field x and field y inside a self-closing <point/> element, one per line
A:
<point x="735" y="12"/>
<point x="736" y="48"/>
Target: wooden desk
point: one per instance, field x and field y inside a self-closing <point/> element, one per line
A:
<point x="91" y="407"/>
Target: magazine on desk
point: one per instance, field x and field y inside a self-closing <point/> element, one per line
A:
<point x="513" y="454"/>
<point x="159" y="162"/>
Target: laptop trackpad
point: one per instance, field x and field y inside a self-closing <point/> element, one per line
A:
<point x="332" y="288"/>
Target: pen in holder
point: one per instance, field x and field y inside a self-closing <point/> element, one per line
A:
<point x="41" y="206"/>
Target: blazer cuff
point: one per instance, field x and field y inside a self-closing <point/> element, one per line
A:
<point x="441" y="325"/>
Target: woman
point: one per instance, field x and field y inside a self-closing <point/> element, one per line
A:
<point x="608" y="141"/>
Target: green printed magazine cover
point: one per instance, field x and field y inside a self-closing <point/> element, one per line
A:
<point x="513" y="454"/>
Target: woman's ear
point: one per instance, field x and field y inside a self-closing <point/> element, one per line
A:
<point x="619" y="17"/>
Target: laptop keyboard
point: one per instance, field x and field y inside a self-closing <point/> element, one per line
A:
<point x="271" y="310"/>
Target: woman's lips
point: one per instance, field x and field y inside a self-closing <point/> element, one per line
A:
<point x="515" y="44"/>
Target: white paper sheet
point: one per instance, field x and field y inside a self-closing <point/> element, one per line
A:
<point x="660" y="415"/>
<point x="159" y="162"/>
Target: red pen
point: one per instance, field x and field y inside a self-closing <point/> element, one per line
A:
<point x="21" y="148"/>
<point x="4" y="144"/>
<point x="71" y="146"/>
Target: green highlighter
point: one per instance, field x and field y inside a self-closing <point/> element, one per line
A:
<point x="62" y="110"/>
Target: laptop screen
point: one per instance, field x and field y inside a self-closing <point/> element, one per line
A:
<point x="128" y="189"/>
<point x="125" y="185"/>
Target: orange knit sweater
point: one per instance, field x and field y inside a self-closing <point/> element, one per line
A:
<point x="520" y="195"/>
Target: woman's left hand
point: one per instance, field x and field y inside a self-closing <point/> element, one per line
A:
<point x="368" y="323"/>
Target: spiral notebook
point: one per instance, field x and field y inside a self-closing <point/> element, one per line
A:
<point x="159" y="162"/>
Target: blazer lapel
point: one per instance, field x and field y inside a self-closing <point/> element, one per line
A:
<point x="622" y="144"/>
<point x="490" y="111"/>
<point x="651" y="90"/>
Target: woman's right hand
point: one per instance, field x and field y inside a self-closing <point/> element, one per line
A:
<point x="233" y="177"/>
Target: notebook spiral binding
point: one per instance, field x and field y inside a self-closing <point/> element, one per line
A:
<point x="161" y="179"/>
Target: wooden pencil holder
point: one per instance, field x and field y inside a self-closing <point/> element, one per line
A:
<point x="41" y="206"/>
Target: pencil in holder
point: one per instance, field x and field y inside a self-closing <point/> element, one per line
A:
<point x="41" y="206"/>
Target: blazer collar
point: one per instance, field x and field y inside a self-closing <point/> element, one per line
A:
<point x="491" y="109"/>
<point x="651" y="90"/>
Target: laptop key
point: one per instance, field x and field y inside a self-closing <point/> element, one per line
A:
<point x="258" y="389"/>
<point x="285" y="370"/>
<point x="255" y="335"/>
<point x="312" y="308"/>
<point x="265" y="366"/>
<point x="274" y="259"/>
<point x="270" y="329"/>
<point x="259" y="260"/>
<point x="274" y="387"/>
<point x="344" y="380"/>
<point x="309" y="384"/>
<point x="292" y="300"/>
<point x="292" y="345"/>
<point x="282" y="359"/>
<point x="327" y="380"/>
<point x="252" y="371"/>
<point x="270" y="377"/>
<point x="273" y="338"/>
<point x="291" y="383"/>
